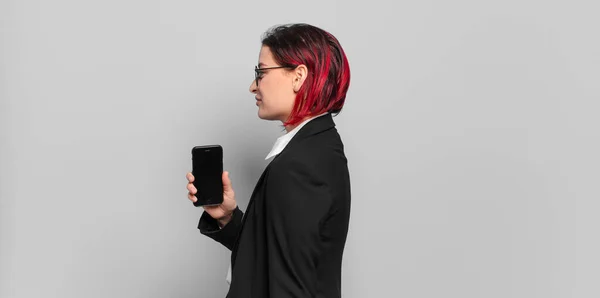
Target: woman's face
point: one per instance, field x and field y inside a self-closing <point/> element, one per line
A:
<point x="275" y="93"/>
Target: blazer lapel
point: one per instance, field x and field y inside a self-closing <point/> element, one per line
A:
<point x="250" y="203"/>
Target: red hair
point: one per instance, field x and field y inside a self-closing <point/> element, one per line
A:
<point x="328" y="78"/>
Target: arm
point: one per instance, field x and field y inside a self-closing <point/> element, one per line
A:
<point x="225" y="235"/>
<point x="297" y="202"/>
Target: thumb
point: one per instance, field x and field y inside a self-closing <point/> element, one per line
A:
<point x="226" y="181"/>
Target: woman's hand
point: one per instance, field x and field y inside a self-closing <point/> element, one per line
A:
<point x="222" y="212"/>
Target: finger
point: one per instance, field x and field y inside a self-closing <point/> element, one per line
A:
<point x="192" y="197"/>
<point x="210" y="208"/>
<point x="191" y="188"/>
<point x="226" y="181"/>
<point x="190" y="177"/>
<point x="212" y="211"/>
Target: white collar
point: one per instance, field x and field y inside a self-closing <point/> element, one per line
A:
<point x="283" y="140"/>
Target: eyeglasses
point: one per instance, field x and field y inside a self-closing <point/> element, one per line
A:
<point x="259" y="71"/>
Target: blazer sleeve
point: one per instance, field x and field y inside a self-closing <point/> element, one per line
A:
<point x="228" y="234"/>
<point x="297" y="202"/>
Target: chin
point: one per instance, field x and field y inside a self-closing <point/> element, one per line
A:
<point x="263" y="115"/>
<point x="266" y="116"/>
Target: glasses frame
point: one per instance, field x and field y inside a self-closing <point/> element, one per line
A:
<point x="258" y="71"/>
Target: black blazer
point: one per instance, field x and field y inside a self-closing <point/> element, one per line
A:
<point x="291" y="240"/>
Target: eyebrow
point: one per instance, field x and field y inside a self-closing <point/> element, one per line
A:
<point x="260" y="65"/>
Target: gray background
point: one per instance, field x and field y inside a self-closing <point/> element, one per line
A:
<point x="471" y="128"/>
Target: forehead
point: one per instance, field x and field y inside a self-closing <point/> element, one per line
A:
<point x="265" y="57"/>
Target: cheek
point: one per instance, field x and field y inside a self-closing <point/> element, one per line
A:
<point x="270" y="93"/>
<point x="276" y="97"/>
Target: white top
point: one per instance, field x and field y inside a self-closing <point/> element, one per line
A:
<point x="279" y="145"/>
<point x="283" y="140"/>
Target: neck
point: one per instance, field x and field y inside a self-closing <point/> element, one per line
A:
<point x="289" y="128"/>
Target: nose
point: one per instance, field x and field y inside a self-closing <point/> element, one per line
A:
<point x="253" y="87"/>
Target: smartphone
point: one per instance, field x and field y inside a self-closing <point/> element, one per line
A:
<point x="207" y="168"/>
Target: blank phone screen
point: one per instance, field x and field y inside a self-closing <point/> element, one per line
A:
<point x="207" y="170"/>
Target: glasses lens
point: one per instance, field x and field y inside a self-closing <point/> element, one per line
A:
<point x="256" y="75"/>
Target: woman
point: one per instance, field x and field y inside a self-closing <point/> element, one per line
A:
<point x="291" y="239"/>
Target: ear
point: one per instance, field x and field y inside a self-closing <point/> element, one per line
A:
<point x="299" y="76"/>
